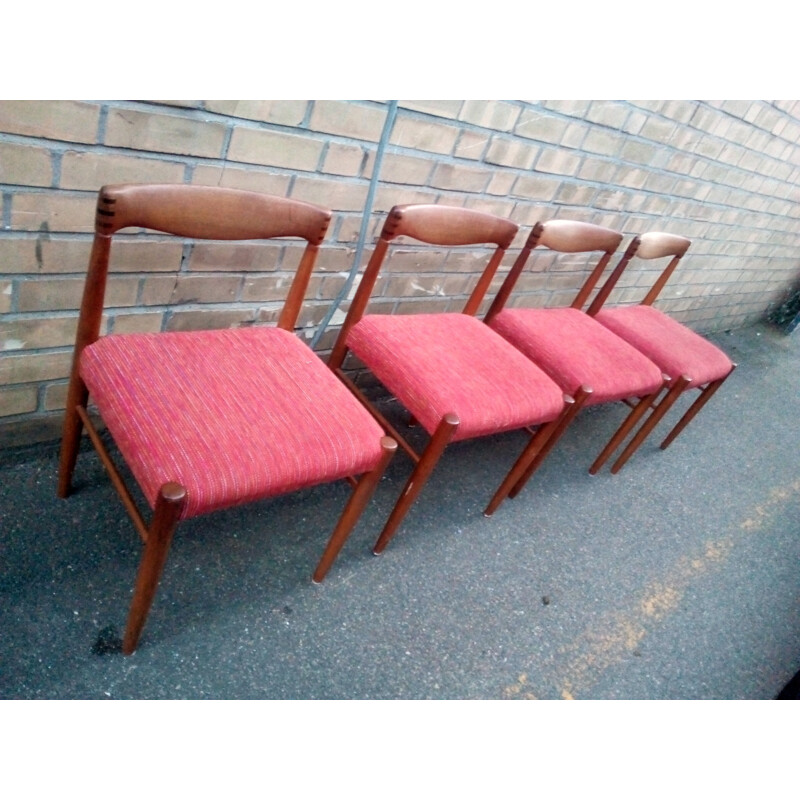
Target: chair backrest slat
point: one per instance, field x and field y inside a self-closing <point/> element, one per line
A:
<point x="571" y="236"/>
<point x="660" y="245"/>
<point x="208" y="212"/>
<point x="449" y="226"/>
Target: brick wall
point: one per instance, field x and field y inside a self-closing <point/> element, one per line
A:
<point x="724" y="173"/>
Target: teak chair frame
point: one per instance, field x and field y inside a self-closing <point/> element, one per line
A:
<point x="197" y="213"/>
<point x="453" y="227"/>
<point x="655" y="245"/>
<point x="571" y="236"/>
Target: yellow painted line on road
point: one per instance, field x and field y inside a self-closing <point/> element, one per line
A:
<point x="622" y="633"/>
<point x="762" y="512"/>
<point x="619" y="635"/>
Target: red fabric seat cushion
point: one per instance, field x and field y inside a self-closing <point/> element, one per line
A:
<point x="675" y="348"/>
<point x="436" y="364"/>
<point x="575" y="350"/>
<point x="232" y="415"/>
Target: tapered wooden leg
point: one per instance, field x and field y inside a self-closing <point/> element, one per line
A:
<point x="704" y="397"/>
<point x="71" y="435"/>
<point x="539" y="453"/>
<point x="355" y="506"/>
<point x="440" y="439"/>
<point x="169" y="504"/>
<point x="678" y="386"/>
<point x="538" y="440"/>
<point x="627" y="426"/>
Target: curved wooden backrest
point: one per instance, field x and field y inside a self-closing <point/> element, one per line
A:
<point x="647" y="246"/>
<point x="207" y="212"/>
<point x="563" y="236"/>
<point x="660" y="245"/>
<point x="571" y="236"/>
<point x="448" y="225"/>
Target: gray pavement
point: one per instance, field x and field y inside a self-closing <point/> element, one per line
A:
<point x="677" y="578"/>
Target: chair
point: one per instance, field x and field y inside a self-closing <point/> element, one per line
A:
<point x="457" y="378"/>
<point x="690" y="361"/>
<point x="210" y="419"/>
<point x="571" y="347"/>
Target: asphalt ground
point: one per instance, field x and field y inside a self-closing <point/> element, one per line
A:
<point x="675" y="579"/>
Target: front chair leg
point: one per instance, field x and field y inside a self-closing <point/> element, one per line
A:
<point x="627" y="426"/>
<point x="169" y="505"/>
<point x="704" y="397"/>
<point x="440" y="439"/>
<point x="677" y="388"/>
<point x="571" y="409"/>
<point x="537" y="442"/>
<point x="361" y="495"/>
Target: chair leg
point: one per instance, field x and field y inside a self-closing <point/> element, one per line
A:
<point x="705" y="395"/>
<point x="539" y="453"/>
<point x="440" y="439"/>
<point x="361" y="495"/>
<point x="71" y="435"/>
<point x="637" y="412"/>
<point x="659" y="411"/>
<point x="537" y="442"/>
<point x="169" y="505"/>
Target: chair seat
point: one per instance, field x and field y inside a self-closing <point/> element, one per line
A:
<point x="676" y="349"/>
<point x="232" y="415"/>
<point x="575" y="350"/>
<point x="437" y="364"/>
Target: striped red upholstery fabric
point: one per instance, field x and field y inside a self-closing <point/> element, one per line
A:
<point x="675" y="348"/>
<point x="232" y="415"/>
<point x="575" y="350"/>
<point x="441" y="363"/>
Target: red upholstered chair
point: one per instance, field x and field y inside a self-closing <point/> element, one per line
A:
<point x="571" y="347"/>
<point x="210" y="419"/>
<point x="690" y="361"/>
<point x="457" y="378"/>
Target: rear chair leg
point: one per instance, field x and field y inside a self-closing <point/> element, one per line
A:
<point x="71" y="435"/>
<point x="440" y="439"/>
<point x="705" y="395"/>
<point x="677" y="388"/>
<point x="361" y="495"/>
<point x="169" y="505"/>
